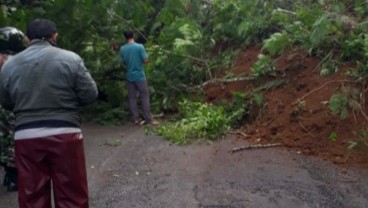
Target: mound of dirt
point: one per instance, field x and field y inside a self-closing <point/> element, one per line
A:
<point x="296" y="114"/>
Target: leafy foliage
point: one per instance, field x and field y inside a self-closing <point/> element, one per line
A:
<point x="360" y="141"/>
<point x="340" y="103"/>
<point x="360" y="73"/>
<point x="356" y="48"/>
<point x="320" y="31"/>
<point x="104" y="114"/>
<point x="198" y="121"/>
<point x="242" y="104"/>
<point x="277" y="43"/>
<point x="329" y="65"/>
<point x="263" y="66"/>
<point x="187" y="41"/>
<point x="354" y="45"/>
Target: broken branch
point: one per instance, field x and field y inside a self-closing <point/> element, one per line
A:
<point x="236" y="79"/>
<point x="256" y="146"/>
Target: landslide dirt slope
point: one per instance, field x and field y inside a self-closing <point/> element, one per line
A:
<point x="306" y="128"/>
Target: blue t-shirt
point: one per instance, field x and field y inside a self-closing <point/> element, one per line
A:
<point x="133" y="55"/>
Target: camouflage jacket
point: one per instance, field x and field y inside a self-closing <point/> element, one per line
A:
<point x="6" y="138"/>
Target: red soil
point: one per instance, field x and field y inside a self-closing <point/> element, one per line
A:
<point x="302" y="128"/>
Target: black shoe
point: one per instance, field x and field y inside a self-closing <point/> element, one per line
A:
<point x="12" y="187"/>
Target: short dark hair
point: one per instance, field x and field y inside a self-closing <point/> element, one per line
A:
<point x="40" y="29"/>
<point x="129" y="34"/>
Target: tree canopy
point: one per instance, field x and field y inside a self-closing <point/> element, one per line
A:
<point x="189" y="40"/>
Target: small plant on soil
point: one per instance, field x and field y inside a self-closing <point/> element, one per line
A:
<point x="277" y="43"/>
<point x="329" y="66"/>
<point x="362" y="140"/>
<point x="298" y="111"/>
<point x="360" y="73"/>
<point x="341" y="102"/>
<point x="301" y="107"/>
<point x="332" y="137"/>
<point x="263" y="66"/>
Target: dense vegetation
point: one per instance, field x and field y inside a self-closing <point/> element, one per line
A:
<point x="189" y="41"/>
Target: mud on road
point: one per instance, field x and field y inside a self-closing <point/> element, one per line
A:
<point x="128" y="169"/>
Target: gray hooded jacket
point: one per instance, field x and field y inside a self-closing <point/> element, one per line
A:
<point x="45" y="84"/>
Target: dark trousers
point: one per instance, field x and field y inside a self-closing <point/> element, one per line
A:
<point x="11" y="175"/>
<point x="58" y="159"/>
<point x="139" y="88"/>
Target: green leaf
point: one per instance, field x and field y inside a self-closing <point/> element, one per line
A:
<point x="352" y="145"/>
<point x="320" y="31"/>
<point x="198" y="121"/>
<point x="333" y="137"/>
<point x="341" y="102"/>
<point x="263" y="66"/>
<point x="277" y="43"/>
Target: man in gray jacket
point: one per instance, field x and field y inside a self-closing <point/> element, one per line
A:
<point x="45" y="86"/>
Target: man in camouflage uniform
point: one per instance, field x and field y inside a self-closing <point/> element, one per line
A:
<point x="7" y="159"/>
<point x="11" y="41"/>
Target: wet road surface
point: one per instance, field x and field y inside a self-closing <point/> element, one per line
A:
<point x="128" y="169"/>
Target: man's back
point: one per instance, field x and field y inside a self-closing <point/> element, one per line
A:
<point x="47" y="83"/>
<point x="45" y="86"/>
<point x="134" y="55"/>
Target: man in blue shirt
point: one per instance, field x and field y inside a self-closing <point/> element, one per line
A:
<point x="134" y="56"/>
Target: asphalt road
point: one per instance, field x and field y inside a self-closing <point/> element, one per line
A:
<point x="128" y="169"/>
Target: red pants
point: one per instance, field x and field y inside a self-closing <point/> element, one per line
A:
<point x="59" y="159"/>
